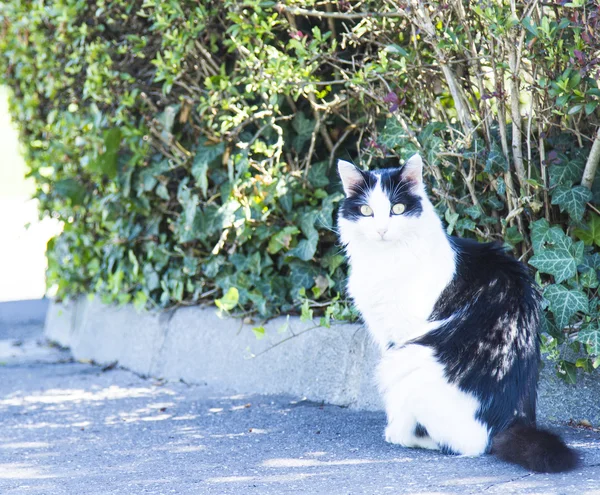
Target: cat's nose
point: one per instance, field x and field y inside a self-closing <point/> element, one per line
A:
<point x="381" y="232"/>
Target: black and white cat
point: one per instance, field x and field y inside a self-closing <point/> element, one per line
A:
<point x="456" y="322"/>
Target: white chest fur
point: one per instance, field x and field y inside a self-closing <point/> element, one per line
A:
<point x="396" y="285"/>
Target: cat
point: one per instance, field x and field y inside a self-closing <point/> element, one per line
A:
<point x="456" y="322"/>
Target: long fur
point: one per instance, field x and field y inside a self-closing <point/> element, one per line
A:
<point x="456" y="321"/>
<point x="535" y="450"/>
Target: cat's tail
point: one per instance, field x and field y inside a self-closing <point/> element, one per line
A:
<point x="535" y="450"/>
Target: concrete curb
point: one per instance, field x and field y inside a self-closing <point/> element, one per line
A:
<point x="27" y="312"/>
<point x="194" y="344"/>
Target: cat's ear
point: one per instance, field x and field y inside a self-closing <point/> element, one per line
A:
<point x="350" y="175"/>
<point x="413" y="169"/>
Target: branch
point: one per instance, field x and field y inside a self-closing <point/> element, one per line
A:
<point x="335" y="15"/>
<point x="423" y="21"/>
<point x="592" y="163"/>
<point x="514" y="54"/>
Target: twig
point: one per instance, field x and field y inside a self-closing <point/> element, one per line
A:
<point x="335" y="15"/>
<point x="337" y="144"/>
<point x="423" y="21"/>
<point x="284" y="340"/>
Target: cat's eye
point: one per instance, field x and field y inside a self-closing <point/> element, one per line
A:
<point x="398" y="209"/>
<point x="366" y="210"/>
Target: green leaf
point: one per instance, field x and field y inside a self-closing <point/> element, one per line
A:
<point x="557" y="262"/>
<point x="106" y="162"/>
<point x="284" y="328"/>
<point x="304" y="128"/>
<point x="590" y="106"/>
<point x="305" y="249"/>
<point x="167" y="119"/>
<point x="229" y="300"/>
<point x="585" y="364"/>
<point x="565" y="173"/>
<point x="530" y="26"/>
<point x="564" y="303"/>
<point x="591" y="233"/>
<point x="451" y="218"/>
<point x="317" y="174"/>
<point x="589" y="279"/>
<point x="474" y="211"/>
<point x="70" y="189"/>
<point x="302" y="274"/>
<point x="393" y="48"/>
<point x="567" y="371"/>
<point x="591" y="261"/>
<point x="282" y="239"/>
<point x="205" y="156"/>
<point x="306" y="313"/>
<point x="394" y="136"/>
<point x="539" y="232"/>
<point x="496" y="161"/>
<point x="513" y="236"/>
<point x="575" y="80"/>
<point x="557" y="239"/>
<point x="259" y="332"/>
<point x="572" y="200"/>
<point x="590" y="336"/>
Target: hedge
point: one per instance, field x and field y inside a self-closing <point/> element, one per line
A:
<point x="189" y="147"/>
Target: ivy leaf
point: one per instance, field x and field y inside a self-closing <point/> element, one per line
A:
<point x="393" y="136"/>
<point x="317" y="174"/>
<point x="566" y="173"/>
<point x="590" y="336"/>
<point x="539" y="232"/>
<point x="591" y="261"/>
<point x="229" y="300"/>
<point x="205" y="156"/>
<point x="474" y="211"/>
<point x="589" y="279"/>
<point x="496" y="161"/>
<point x="304" y="128"/>
<point x="556" y="238"/>
<point x="302" y="274"/>
<point x="591" y="234"/>
<point x="567" y="371"/>
<point x="513" y="236"/>
<point x="451" y="218"/>
<point x="305" y="249"/>
<point x="259" y="332"/>
<point x="557" y="262"/>
<point x="306" y="313"/>
<point x="572" y="200"/>
<point x="564" y="303"/>
<point x="282" y="239"/>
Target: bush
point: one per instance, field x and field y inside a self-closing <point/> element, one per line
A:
<point x="188" y="147"/>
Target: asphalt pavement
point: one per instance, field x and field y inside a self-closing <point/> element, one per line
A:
<point x="76" y="428"/>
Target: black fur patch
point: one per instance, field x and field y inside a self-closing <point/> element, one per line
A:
<point x="445" y="449"/>
<point x="397" y="189"/>
<point x="536" y="450"/>
<point x="421" y="431"/>
<point x="490" y="346"/>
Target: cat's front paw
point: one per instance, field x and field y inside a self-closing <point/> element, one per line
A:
<point x="396" y="435"/>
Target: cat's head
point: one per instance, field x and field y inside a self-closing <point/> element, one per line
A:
<point x="384" y="205"/>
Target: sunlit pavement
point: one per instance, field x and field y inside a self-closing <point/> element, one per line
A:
<point x="74" y="428"/>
